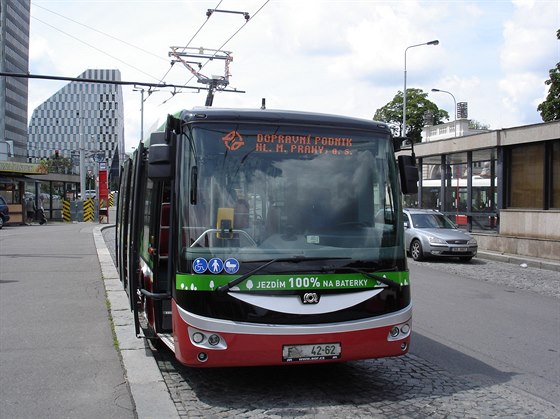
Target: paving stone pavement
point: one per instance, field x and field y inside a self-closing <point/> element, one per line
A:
<point x="541" y="281"/>
<point x="403" y="387"/>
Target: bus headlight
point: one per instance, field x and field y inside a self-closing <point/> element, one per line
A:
<point x="214" y="340"/>
<point x="398" y="332"/>
<point x="197" y="337"/>
<point x="206" y="340"/>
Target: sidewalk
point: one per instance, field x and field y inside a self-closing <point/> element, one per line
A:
<point x="150" y="394"/>
<point x="548" y="264"/>
<point x="58" y="357"/>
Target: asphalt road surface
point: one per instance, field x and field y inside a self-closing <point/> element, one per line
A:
<point x="475" y="327"/>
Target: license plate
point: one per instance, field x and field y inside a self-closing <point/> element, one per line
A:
<point x="316" y="352"/>
<point x="459" y="249"/>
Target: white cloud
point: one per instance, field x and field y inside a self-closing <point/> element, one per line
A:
<point x="530" y="47"/>
<point x="324" y="55"/>
<point x="519" y="93"/>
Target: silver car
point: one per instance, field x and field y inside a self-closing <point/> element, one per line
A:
<point x="429" y="233"/>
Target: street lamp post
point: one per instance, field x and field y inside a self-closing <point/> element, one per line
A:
<point x="141" y="112"/>
<point x="403" y="130"/>
<point x="455" y="102"/>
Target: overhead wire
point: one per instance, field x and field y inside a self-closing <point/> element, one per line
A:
<point x="100" y="32"/>
<point x="218" y="49"/>
<point x="93" y="47"/>
<point x="188" y="43"/>
<point x="160" y="80"/>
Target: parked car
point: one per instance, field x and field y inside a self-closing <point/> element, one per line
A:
<point x="90" y="193"/>
<point x="429" y="233"/>
<point x="4" y="212"/>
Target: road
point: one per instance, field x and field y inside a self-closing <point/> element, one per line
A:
<point x="485" y="344"/>
<point x="487" y="331"/>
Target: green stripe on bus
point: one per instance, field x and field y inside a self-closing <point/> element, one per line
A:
<point x="209" y="282"/>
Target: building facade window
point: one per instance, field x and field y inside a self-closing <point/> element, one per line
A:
<point x="527" y="171"/>
<point x="484" y="181"/>
<point x="555" y="175"/>
<point x="462" y="184"/>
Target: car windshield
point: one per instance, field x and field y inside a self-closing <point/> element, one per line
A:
<point x="431" y="221"/>
<point x="315" y="192"/>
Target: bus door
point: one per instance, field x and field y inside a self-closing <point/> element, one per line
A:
<point x="161" y="269"/>
<point x="135" y="220"/>
<point x="122" y="222"/>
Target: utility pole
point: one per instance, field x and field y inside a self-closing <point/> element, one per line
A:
<point x="82" y="147"/>
<point x="141" y="90"/>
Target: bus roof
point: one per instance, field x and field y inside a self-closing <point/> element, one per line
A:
<point x="272" y="116"/>
<point x="280" y="116"/>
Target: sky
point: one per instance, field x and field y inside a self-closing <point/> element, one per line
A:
<point x="332" y="56"/>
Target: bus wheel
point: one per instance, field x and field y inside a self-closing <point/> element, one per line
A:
<point x="416" y="250"/>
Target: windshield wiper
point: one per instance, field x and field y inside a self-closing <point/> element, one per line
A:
<point x="383" y="280"/>
<point x="294" y="259"/>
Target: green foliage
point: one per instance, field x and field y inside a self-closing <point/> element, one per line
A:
<point x="58" y="164"/>
<point x="417" y="104"/>
<point x="90" y="181"/>
<point x="474" y="124"/>
<point x="550" y="108"/>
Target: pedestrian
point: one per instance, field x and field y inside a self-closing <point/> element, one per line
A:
<point x="40" y="213"/>
<point x="30" y="210"/>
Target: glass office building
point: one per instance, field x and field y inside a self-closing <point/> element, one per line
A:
<point x="14" y="58"/>
<point x="85" y="115"/>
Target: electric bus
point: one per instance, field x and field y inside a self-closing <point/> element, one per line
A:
<point x="264" y="237"/>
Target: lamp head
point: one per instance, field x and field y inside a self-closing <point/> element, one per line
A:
<point x="434" y="42"/>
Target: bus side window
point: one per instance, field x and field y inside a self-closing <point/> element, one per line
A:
<point x="164" y="230"/>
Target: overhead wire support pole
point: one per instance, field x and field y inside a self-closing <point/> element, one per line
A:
<point x="100" y="81"/>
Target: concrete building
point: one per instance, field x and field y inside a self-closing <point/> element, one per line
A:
<point x="502" y="185"/>
<point x="14" y="58"/>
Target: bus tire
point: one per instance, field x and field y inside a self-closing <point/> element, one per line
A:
<point x="416" y="250"/>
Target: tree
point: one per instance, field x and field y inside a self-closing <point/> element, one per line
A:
<point x="57" y="164"/>
<point x="417" y="104"/>
<point x="474" y="124"/>
<point x="550" y="108"/>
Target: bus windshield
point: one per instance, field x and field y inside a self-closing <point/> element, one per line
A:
<point x="258" y="192"/>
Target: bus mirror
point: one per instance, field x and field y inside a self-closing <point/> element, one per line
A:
<point x="402" y="143"/>
<point x="409" y="175"/>
<point x="172" y="128"/>
<point x="159" y="162"/>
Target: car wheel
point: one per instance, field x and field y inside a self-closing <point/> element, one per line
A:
<point x="465" y="258"/>
<point x="1" y="222"/>
<point x="416" y="250"/>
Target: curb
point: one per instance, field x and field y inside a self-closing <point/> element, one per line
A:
<point x="550" y="265"/>
<point x="148" y="389"/>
